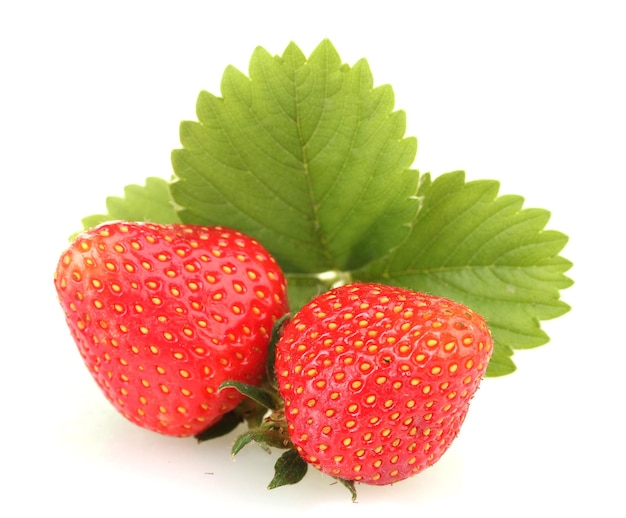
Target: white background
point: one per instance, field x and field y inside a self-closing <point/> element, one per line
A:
<point x="527" y="93"/>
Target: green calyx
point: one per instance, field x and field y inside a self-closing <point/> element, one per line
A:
<point x="270" y="432"/>
<point x="263" y="411"/>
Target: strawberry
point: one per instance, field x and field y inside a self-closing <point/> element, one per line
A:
<point x="376" y="380"/>
<point x="163" y="314"/>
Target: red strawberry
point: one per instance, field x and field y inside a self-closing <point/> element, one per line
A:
<point x="376" y="380"/>
<point x="163" y="314"/>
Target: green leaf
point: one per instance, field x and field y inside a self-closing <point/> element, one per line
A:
<point x="290" y="468"/>
<point x="301" y="288"/>
<point x="485" y="251"/>
<point x="308" y="157"/>
<point x="305" y="155"/>
<point x="150" y="202"/>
